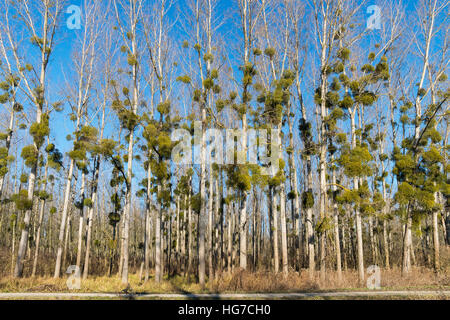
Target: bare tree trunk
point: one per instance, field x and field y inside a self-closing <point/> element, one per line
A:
<point x="386" y="244"/>
<point x="127" y="211"/>
<point x="385" y="225"/>
<point x="406" y="262"/>
<point x="436" y="239"/>
<point x="284" y="248"/>
<point x="210" y="224"/>
<point x="7" y="146"/>
<point x="122" y="235"/>
<point x="13" y="242"/>
<point x="295" y="205"/>
<point x="39" y="226"/>
<point x="359" y="238"/>
<point x="322" y="143"/>
<point x="243" y="233"/>
<point x="81" y="225"/>
<point x="91" y="216"/>
<point x="84" y="80"/>
<point x="345" y="247"/>
<point x="147" y="237"/>
<point x="309" y="243"/>
<point x="38" y="97"/>
<point x="178" y="236"/>
<point x="133" y="16"/>
<point x="372" y="240"/>
<point x="337" y="242"/>
<point x="66" y="240"/>
<point x="217" y="256"/>
<point x="190" y="234"/>
<point x="158" y="245"/>
<point x="428" y="32"/>
<point x="183" y="235"/>
<point x="230" y="235"/>
<point x="276" y="258"/>
<point x="254" y="231"/>
<point x="234" y="217"/>
<point x="63" y="219"/>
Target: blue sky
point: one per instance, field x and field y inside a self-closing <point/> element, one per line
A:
<point x="60" y="64"/>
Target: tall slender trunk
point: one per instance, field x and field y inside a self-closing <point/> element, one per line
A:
<point x="243" y="232"/>
<point x="386" y="244"/>
<point x="337" y="242"/>
<point x="372" y="239"/>
<point x="358" y="222"/>
<point x="183" y="234"/>
<point x="81" y="225"/>
<point x="254" y="230"/>
<point x="190" y="233"/>
<point x="23" y="244"/>
<point x="309" y="232"/>
<point x="284" y="247"/>
<point x="234" y="248"/>
<point x="147" y="237"/>
<point x="38" y="98"/>
<point x="169" y="243"/>
<point x="178" y="236"/>
<point x="436" y="239"/>
<point x="406" y="261"/>
<point x="217" y="255"/>
<point x="244" y="195"/>
<point x="39" y="226"/>
<point x="295" y="205"/>
<point x="66" y="239"/>
<point x="64" y="218"/>
<point x="322" y="143"/>
<point x="158" y="244"/>
<point x="407" y="239"/>
<point x="127" y="210"/>
<point x="229" y="232"/>
<point x="345" y="247"/>
<point x="90" y="218"/>
<point x="275" y="224"/>
<point x="385" y="224"/>
<point x="210" y="223"/>
<point x="7" y="146"/>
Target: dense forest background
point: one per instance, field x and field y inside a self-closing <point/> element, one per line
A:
<point x="356" y="91"/>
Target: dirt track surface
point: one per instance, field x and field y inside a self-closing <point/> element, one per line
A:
<point x="353" y="294"/>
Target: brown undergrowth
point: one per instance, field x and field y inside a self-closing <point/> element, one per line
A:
<point x="420" y="278"/>
<point x="239" y="281"/>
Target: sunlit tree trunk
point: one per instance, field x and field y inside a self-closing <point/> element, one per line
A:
<point x="81" y="221"/>
<point x="158" y="243"/>
<point x="337" y="242"/>
<point x="284" y="245"/>
<point x="39" y="225"/>
<point x="358" y="222"/>
<point x="7" y="145"/>
<point x="90" y="218"/>
<point x="275" y="224"/>
<point x="210" y="223"/>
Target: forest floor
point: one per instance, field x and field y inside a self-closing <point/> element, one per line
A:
<point x="420" y="283"/>
<point x="342" y="295"/>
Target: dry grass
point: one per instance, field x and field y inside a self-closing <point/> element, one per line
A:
<point x="419" y="279"/>
<point x="240" y="281"/>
